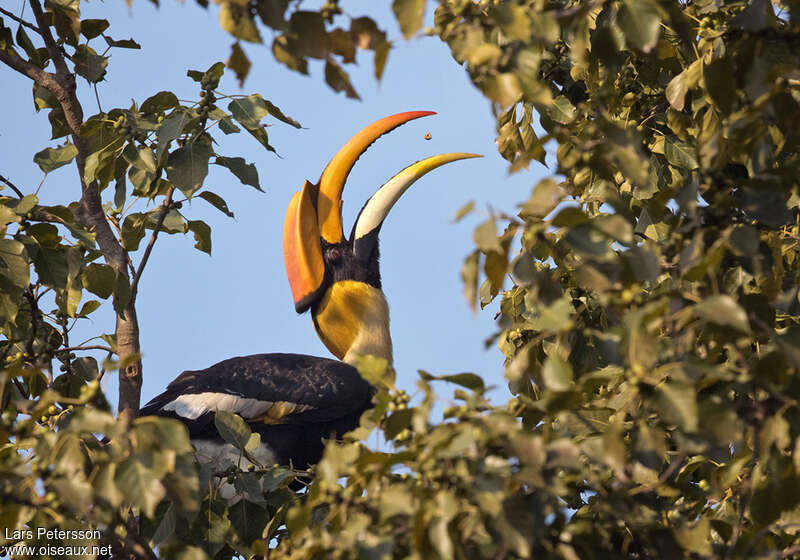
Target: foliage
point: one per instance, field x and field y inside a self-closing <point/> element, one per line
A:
<point x="66" y="462"/>
<point x="300" y="35"/>
<point x="650" y="327"/>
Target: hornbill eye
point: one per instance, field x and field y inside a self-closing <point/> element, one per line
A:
<point x="333" y="254"/>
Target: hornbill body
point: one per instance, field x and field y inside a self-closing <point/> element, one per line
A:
<point x="295" y="401"/>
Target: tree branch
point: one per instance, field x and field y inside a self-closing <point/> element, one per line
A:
<point x="44" y="30"/>
<point x="32" y="71"/>
<point x="13" y="186"/>
<point x="90" y="347"/>
<point x="20" y="20"/>
<point x="165" y="207"/>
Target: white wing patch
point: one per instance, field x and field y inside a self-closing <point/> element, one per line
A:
<point x="194" y="405"/>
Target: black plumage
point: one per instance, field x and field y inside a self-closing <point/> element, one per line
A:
<point x="329" y="396"/>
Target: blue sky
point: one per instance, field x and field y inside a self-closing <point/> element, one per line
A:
<point x="195" y="310"/>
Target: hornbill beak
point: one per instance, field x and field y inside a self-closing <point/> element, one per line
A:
<point x="315" y="212"/>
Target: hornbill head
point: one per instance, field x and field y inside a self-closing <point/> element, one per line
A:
<point x="336" y="277"/>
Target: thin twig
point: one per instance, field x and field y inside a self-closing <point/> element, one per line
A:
<point x="12" y="186"/>
<point x="165" y="208"/>
<point x="90" y="347"/>
<point x="20" y="388"/>
<point x="96" y="96"/>
<point x="20" y="21"/>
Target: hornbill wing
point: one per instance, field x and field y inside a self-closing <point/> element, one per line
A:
<point x="264" y="389"/>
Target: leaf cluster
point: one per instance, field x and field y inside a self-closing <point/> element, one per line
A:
<point x="66" y="462"/>
<point x="302" y="35"/>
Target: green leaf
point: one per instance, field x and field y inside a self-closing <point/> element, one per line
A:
<point x="338" y="79"/>
<point x="172" y="127"/>
<point x="513" y="20"/>
<point x="227" y="127"/>
<point x="696" y="538"/>
<point x="680" y="154"/>
<point x="26" y="204"/>
<point x="682" y="83"/>
<point x="676" y="401"/>
<point x="133" y="230"/>
<point x="245" y="172"/>
<point x="91" y="28"/>
<point x="409" y="14"/>
<point x="217" y="202"/>
<point x="381" y="56"/>
<point x="188" y="166"/>
<point x="342" y="44"/>
<point x="122" y="44"/>
<point x="561" y="110"/>
<point x="75" y="493"/>
<point x="485" y="237"/>
<point x="67" y="20"/>
<point x="557" y="374"/>
<point x="196" y="75"/>
<point x="464" y="211"/>
<point x="286" y="56"/>
<point x="202" y="235"/>
<point x="236" y="20"/>
<point x="173" y="221"/>
<point x="88" y="307"/>
<point x="308" y="34"/>
<point x="53" y="158"/>
<point x="503" y="88"/>
<point x="25" y="42"/>
<point x="616" y="227"/>
<point x="13" y="263"/>
<point x="397" y="422"/>
<point x="43" y="98"/>
<point x="122" y="292"/>
<point x="232" y="428"/>
<point x="278" y="114"/>
<point x="469" y="276"/>
<point x="641" y="23"/>
<point x="159" y="102"/>
<point x="556" y="317"/>
<point x="723" y="310"/>
<point x="239" y="63"/>
<point x="139" y="485"/>
<point x="58" y="123"/>
<point x="545" y="197"/>
<point x="377" y="371"/>
<point x="468" y="380"/>
<point x="89" y="64"/>
<point x="7" y="215"/>
<point x="260" y="134"/>
<point x="140" y="157"/>
<point x="248" y="110"/>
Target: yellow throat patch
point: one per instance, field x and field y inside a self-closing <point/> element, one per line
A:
<point x="354" y="316"/>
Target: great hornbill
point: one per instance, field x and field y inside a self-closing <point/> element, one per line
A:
<point x="294" y="401"/>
